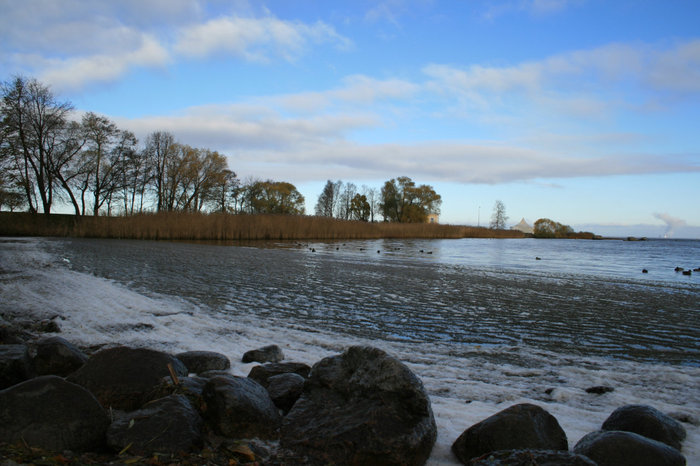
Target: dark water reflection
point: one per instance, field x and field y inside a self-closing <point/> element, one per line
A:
<point x="583" y="297"/>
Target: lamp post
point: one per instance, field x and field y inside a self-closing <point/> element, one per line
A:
<point x="478" y="217"/>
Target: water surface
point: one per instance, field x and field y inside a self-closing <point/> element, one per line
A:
<point x="572" y="296"/>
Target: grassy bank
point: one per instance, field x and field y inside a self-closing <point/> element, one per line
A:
<point x="225" y="227"/>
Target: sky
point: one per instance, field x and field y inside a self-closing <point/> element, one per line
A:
<point x="582" y="111"/>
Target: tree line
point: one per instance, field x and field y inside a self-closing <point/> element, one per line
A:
<point x="47" y="157"/>
<point x="96" y="167"/>
<point x="399" y="200"/>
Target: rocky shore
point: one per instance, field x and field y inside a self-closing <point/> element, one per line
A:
<point x="60" y="404"/>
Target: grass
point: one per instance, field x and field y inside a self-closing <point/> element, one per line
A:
<point x="227" y="227"/>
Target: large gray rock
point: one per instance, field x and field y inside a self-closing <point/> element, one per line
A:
<point x="191" y="386"/>
<point x="239" y="407"/>
<point x="618" y="448"/>
<point x="522" y="426"/>
<point x="168" y="425"/>
<point x="532" y="458"/>
<point x="262" y="373"/>
<point x="15" y="365"/>
<point x="270" y="353"/>
<point x="285" y="390"/>
<point x="202" y="361"/>
<point x="53" y="414"/>
<point x="648" y="422"/>
<point x="56" y="356"/>
<point x="361" y="407"/>
<point x="123" y="378"/>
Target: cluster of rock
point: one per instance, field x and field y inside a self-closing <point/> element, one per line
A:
<point x="526" y="434"/>
<point x="359" y="407"/>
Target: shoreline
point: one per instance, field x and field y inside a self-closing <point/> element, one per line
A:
<point x="238" y="227"/>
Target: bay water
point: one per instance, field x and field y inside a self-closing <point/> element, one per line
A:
<point x="484" y="323"/>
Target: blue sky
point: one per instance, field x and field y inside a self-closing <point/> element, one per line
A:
<point x="582" y="111"/>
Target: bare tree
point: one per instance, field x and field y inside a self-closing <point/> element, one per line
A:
<point x="33" y="124"/>
<point x="67" y="165"/>
<point x="347" y="193"/>
<point x="10" y="189"/>
<point x="499" y="217"/>
<point x="135" y="173"/>
<point x="101" y="163"/>
<point x="327" y="200"/>
<point x="372" y="196"/>
<point x="159" y="149"/>
<point x="225" y="192"/>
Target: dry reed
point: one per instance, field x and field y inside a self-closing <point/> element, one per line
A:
<point x="227" y="227"/>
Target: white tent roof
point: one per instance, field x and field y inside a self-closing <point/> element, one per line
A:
<point x="523" y="226"/>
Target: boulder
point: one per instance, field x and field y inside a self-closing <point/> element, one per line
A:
<point x="123" y="378"/>
<point x="271" y="353"/>
<point x="360" y="407"/>
<point x="202" y="361"/>
<point x="239" y="407"/>
<point x="262" y="373"/>
<point x="51" y="413"/>
<point x="285" y="390"/>
<point x="191" y="386"/>
<point x="169" y="425"/>
<point x="56" y="356"/>
<point x="522" y="426"/>
<point x="531" y="458"/>
<point x="648" y="422"/>
<point x="619" y="448"/>
<point x="12" y="335"/>
<point x="15" y="365"/>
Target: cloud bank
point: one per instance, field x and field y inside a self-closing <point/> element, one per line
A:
<point x="84" y="42"/>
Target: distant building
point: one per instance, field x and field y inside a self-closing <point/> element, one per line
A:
<point x="523" y="226"/>
<point x="433" y="218"/>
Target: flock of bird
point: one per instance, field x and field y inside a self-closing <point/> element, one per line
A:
<point x="686" y="272"/>
<point x="379" y="251"/>
<point x="677" y="269"/>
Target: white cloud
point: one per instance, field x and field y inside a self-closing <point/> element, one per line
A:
<point x="459" y="162"/>
<point x="256" y="39"/>
<point x="534" y="7"/>
<point x="526" y="76"/>
<point x="86" y="27"/>
<point x="549" y="6"/>
<point x="384" y="11"/>
<point x="262" y="142"/>
<point x="244" y="128"/>
<point x="72" y="43"/>
<point x="356" y="89"/>
<point x="585" y="83"/>
<point x="74" y="73"/>
<point x="677" y="69"/>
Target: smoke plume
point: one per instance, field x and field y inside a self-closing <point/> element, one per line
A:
<point x="671" y="223"/>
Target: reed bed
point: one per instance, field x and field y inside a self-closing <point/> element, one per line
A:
<point x="228" y="227"/>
